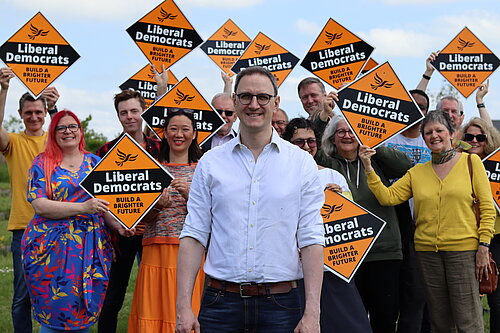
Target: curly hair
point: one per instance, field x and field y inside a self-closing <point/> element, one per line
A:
<point x="492" y="135"/>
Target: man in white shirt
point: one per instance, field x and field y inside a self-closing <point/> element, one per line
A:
<point x="258" y="216"/>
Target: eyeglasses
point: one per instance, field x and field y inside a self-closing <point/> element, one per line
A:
<point x="279" y="122"/>
<point x="228" y="113"/>
<point x="311" y="142"/>
<point x="479" y="137"/>
<point x="342" y="133"/>
<point x="246" y="98"/>
<point x="72" y="128"/>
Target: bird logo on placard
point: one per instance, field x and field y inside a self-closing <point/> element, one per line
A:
<point x="124" y="158"/>
<point x="330" y="209"/>
<point x="164" y="15"/>
<point x="331" y="37"/>
<point x="464" y="44"/>
<point x="35" y="32"/>
<point x="181" y="97"/>
<point x="228" y="33"/>
<point x="379" y="83"/>
<point x="261" y="47"/>
<point x="152" y="73"/>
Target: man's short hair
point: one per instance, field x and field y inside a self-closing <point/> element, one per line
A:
<point x="221" y="95"/>
<point x="282" y="111"/>
<point x="421" y="93"/>
<point x="310" y="80"/>
<point x="125" y="95"/>
<point x="256" y="70"/>
<point x="451" y="98"/>
<point x="27" y="97"/>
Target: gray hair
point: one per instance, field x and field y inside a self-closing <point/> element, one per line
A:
<point x="437" y="116"/>
<point x="310" y="80"/>
<point x="222" y="95"/>
<point x="450" y="98"/>
<point x="326" y="140"/>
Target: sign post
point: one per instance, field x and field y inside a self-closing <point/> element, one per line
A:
<point x="129" y="179"/>
<point x="466" y="62"/>
<point x="38" y="54"/>
<point x="164" y="35"/>
<point x="350" y="232"/>
<point x="377" y="106"/>
<point x="265" y="52"/>
<point x="337" y="56"/>
<point x="226" y="45"/>
<point x="184" y="95"/>
<point x="144" y="82"/>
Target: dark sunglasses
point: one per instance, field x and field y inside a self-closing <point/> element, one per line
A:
<point x="480" y="137"/>
<point x="228" y="113"/>
<point x="311" y="142"/>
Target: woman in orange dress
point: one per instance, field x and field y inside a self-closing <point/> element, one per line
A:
<point x="153" y="306"/>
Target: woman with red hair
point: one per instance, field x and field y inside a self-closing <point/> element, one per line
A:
<point x="66" y="250"/>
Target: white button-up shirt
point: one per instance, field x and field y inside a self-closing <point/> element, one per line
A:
<point x="257" y="213"/>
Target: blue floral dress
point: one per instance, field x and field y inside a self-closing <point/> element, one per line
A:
<point x="66" y="261"/>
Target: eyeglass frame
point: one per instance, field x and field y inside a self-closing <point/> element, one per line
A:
<point x="71" y="127"/>
<point x="304" y="141"/>
<point x="256" y="97"/>
<point x="351" y="133"/>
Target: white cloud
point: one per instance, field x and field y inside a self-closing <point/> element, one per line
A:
<point x="484" y="24"/>
<point x="307" y="27"/>
<point x="398" y="42"/>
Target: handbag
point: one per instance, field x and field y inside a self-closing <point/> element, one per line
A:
<point x="486" y="286"/>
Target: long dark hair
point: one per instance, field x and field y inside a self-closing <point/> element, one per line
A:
<point x="194" y="151"/>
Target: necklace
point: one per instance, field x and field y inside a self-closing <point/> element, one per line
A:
<point x="444" y="156"/>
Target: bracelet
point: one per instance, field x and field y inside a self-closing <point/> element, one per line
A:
<point x="481" y="105"/>
<point x="52" y="111"/>
<point x="484" y="244"/>
<point x="427" y="77"/>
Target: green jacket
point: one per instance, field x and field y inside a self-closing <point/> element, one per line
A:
<point x="388" y="163"/>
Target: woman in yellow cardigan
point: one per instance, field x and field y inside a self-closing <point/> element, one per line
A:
<point x="451" y="250"/>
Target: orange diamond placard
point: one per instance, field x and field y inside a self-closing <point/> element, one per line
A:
<point x="129" y="179"/>
<point x="144" y="82"/>
<point x="265" y="52"/>
<point x="377" y="106"/>
<point x="184" y="95"/>
<point x="164" y="35"/>
<point x="370" y="64"/>
<point x="226" y="45"/>
<point x="38" y="54"/>
<point x="492" y="166"/>
<point x="337" y="56"/>
<point x="466" y="62"/>
<point x="350" y="232"/>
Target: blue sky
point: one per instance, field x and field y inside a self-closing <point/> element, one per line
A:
<point x="403" y="32"/>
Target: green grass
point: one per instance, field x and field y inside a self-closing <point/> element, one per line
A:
<point x="7" y="276"/>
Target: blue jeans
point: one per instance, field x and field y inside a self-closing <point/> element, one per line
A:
<point x="224" y="312"/>
<point x="21" y="303"/>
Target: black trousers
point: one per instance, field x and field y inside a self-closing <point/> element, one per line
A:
<point x="378" y="285"/>
<point x="128" y="248"/>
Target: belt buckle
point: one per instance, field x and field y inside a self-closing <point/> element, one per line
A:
<point x="241" y="289"/>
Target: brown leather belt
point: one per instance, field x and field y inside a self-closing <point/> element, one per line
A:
<point x="250" y="289"/>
